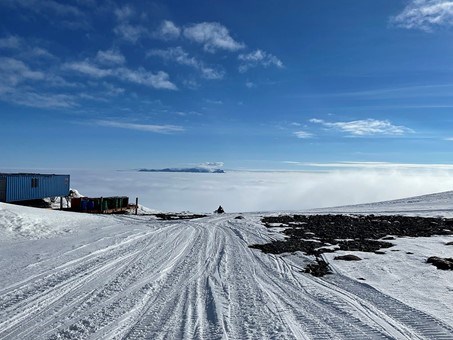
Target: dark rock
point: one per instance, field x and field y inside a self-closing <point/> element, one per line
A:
<point x="380" y="252"/>
<point x="350" y="232"/>
<point x="394" y="250"/>
<point x="361" y="279"/>
<point x="409" y="253"/>
<point x="367" y="233"/>
<point x="449" y="243"/>
<point x="172" y="217"/>
<point x="320" y="268"/>
<point x="239" y="218"/>
<point x="441" y="263"/>
<point x="348" y="257"/>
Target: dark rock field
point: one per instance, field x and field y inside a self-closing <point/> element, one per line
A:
<point x="318" y="234"/>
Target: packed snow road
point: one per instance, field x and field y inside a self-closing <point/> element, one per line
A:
<point x="136" y="278"/>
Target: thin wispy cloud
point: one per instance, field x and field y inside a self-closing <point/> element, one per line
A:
<point x="213" y="36"/>
<point x="124" y="13"/>
<point x="450" y="139"/>
<point x="373" y="165"/>
<point x="13" y="72"/>
<point x="213" y="101"/>
<point x="303" y="134"/>
<point x="10" y="42"/>
<point x="39" y="6"/>
<point x="159" y="80"/>
<point x="28" y="97"/>
<point x="110" y="57"/>
<point x="178" y="55"/>
<point x="258" y="58"/>
<point x="125" y="30"/>
<point x="163" y="129"/>
<point x="24" y="49"/>
<point x="425" y="15"/>
<point x="365" y="127"/>
<point x="72" y="17"/>
<point x="130" y="33"/>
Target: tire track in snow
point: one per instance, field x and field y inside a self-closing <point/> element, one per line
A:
<point x="198" y="279"/>
<point x="422" y="324"/>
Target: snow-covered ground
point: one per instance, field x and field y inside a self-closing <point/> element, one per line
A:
<point x="75" y="276"/>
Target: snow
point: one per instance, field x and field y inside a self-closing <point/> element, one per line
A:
<point x="78" y="276"/>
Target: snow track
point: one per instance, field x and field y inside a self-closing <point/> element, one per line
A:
<point x="145" y="279"/>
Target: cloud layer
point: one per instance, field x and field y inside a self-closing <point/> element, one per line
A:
<point x="263" y="191"/>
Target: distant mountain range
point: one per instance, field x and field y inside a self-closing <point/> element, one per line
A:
<point x="194" y="170"/>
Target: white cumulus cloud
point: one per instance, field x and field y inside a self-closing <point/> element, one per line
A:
<point x="258" y="58"/>
<point x="425" y="15"/>
<point x="213" y="36"/>
<point x="167" y="31"/>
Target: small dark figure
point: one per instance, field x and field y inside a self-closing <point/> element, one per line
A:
<point x="219" y="210"/>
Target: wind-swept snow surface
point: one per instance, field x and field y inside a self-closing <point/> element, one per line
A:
<point x="133" y="277"/>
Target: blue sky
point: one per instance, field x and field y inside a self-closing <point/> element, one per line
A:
<point x="252" y="84"/>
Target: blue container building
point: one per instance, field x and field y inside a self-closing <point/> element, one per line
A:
<point x="24" y="187"/>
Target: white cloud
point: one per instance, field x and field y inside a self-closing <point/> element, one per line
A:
<point x="125" y="30"/>
<point x="303" y="134"/>
<point x="13" y="72"/>
<point x="11" y="42"/>
<point x="211" y="165"/>
<point x="89" y="69"/>
<point x="165" y="129"/>
<point x="130" y="33"/>
<point x="159" y="80"/>
<point x="178" y="55"/>
<point x="262" y="191"/>
<point x="71" y="16"/>
<point x="110" y="57"/>
<point x="213" y="36"/>
<point x="365" y="127"/>
<point x="167" y="31"/>
<point x="45" y="6"/>
<point x="213" y="101"/>
<point x="38" y="52"/>
<point x="258" y="58"/>
<point x="425" y="14"/>
<point x="44" y="100"/>
<point x="250" y="84"/>
<point x="449" y="139"/>
<point x="24" y="49"/>
<point x="124" y="13"/>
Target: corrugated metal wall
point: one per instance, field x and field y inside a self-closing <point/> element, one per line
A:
<point x="2" y="189"/>
<point x="22" y="187"/>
